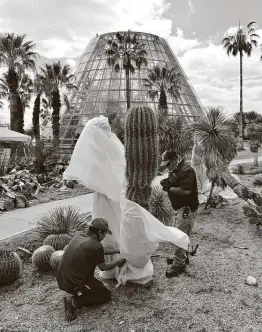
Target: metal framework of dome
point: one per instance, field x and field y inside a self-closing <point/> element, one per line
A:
<point x="102" y="91"/>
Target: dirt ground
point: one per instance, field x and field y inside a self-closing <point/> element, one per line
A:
<point x="211" y="296"/>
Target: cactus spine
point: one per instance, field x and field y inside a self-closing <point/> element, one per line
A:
<point x="41" y="258"/>
<point x="141" y="149"/>
<point x="57" y="241"/>
<point x="10" y="267"/>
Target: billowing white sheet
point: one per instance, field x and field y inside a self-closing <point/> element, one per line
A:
<point x="98" y="162"/>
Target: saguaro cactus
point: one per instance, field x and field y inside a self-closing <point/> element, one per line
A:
<point x="141" y="149"/>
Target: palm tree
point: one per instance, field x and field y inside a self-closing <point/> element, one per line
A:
<point x="24" y="89"/>
<point x="126" y="52"/>
<point x="218" y="144"/>
<point x="18" y="56"/>
<point x="174" y="134"/>
<point x="242" y="42"/>
<point x="58" y="80"/>
<point x="160" y="82"/>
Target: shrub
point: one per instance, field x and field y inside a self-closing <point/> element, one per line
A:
<point x="57" y="241"/>
<point x="60" y="221"/>
<point x="55" y="259"/>
<point x="10" y="267"/>
<point x="41" y="258"/>
<point x="258" y="180"/>
<point x="160" y="206"/>
<point x="238" y="169"/>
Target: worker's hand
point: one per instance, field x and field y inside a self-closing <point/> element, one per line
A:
<point x="121" y="262"/>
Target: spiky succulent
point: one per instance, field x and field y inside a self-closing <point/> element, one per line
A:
<point x="61" y="220"/>
<point x="55" y="259"/>
<point x="141" y="150"/>
<point x="10" y="267"/>
<point x="160" y="206"/>
<point x="57" y="241"/>
<point x="41" y="258"/>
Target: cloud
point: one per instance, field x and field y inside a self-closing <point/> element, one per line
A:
<point x="64" y="30"/>
<point x="215" y="77"/>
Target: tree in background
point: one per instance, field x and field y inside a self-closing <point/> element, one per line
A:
<point x="240" y="43"/>
<point x="18" y="56"/>
<point x="163" y="81"/>
<point x="254" y="134"/>
<point x="126" y="52"/>
<point x="58" y="81"/>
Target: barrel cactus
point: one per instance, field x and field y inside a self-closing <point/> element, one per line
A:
<point x="41" y="258"/>
<point x="55" y="259"/>
<point x="10" y="267"/>
<point x="57" y="241"/>
<point x="141" y="149"/>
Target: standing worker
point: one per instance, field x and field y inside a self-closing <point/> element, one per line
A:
<point x="75" y="273"/>
<point x="181" y="186"/>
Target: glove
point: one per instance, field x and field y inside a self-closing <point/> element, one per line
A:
<point x="165" y="184"/>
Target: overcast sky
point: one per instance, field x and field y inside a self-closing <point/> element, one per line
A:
<point x="193" y="28"/>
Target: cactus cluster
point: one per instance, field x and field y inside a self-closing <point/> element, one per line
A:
<point x="41" y="258"/>
<point x="10" y="267"/>
<point x="141" y="149"/>
<point x="57" y="241"/>
<point x="55" y="259"/>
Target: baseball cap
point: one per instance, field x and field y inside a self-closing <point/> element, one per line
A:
<point x="101" y="224"/>
<point x="167" y="156"/>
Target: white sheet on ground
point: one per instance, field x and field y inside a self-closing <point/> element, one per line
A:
<point x="98" y="162"/>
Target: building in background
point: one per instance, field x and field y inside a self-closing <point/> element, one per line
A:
<point x="102" y="91"/>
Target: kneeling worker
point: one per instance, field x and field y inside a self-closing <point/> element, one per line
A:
<point x="75" y="273"/>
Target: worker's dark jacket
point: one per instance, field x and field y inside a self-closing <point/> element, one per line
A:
<point x="184" y="177"/>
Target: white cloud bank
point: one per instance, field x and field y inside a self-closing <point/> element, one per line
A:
<point x="66" y="31"/>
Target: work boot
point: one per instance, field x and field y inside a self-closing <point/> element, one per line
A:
<point x="69" y="309"/>
<point x="170" y="260"/>
<point x="174" y="271"/>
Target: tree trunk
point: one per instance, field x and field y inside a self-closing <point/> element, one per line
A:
<point x="210" y="194"/>
<point x="128" y="101"/>
<point x="35" y="120"/>
<point x="162" y="103"/>
<point x="20" y="115"/>
<point x="36" y="132"/>
<point x="56" y="104"/>
<point x="256" y="159"/>
<point x="12" y="82"/>
<point x="241" y="101"/>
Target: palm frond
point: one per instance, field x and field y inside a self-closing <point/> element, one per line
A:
<point x="160" y="206"/>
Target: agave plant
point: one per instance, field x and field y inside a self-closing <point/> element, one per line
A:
<point x="160" y="205"/>
<point x="65" y="220"/>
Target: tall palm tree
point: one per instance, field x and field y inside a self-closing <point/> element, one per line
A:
<point x="17" y="54"/>
<point x="160" y="82"/>
<point x="58" y="81"/>
<point x="242" y="42"/>
<point x="126" y="52"/>
<point x="24" y="94"/>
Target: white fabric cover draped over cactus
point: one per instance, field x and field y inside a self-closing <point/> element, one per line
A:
<point x="98" y="162"/>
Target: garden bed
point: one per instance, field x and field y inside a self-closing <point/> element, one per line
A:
<point x="211" y="296"/>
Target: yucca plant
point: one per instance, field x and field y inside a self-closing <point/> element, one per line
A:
<point x="160" y="206"/>
<point x="219" y="148"/>
<point x="61" y="222"/>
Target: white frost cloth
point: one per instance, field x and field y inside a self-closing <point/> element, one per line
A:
<point x="98" y="162"/>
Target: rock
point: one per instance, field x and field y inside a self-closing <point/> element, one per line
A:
<point x="251" y="281"/>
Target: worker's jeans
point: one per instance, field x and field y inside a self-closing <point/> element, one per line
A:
<point x="94" y="293"/>
<point x="185" y="225"/>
